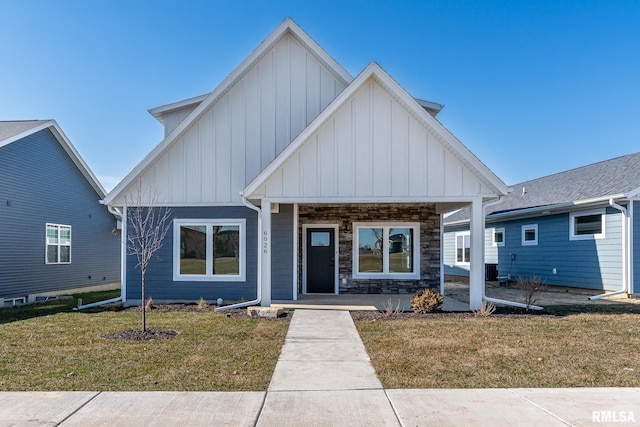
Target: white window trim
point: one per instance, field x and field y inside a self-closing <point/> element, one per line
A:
<point x="59" y="245"/>
<point x="530" y="242"/>
<point x="493" y="236"/>
<point x="572" y="228"/>
<point x="385" y="251"/>
<point x="210" y="223"/>
<point x="455" y="245"/>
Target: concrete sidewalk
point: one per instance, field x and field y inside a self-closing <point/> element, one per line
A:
<point x="324" y="378"/>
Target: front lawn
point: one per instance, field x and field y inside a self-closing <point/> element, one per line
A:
<point x="463" y="351"/>
<point x="49" y="347"/>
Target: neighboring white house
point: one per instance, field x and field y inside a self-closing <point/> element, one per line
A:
<point x="294" y="177"/>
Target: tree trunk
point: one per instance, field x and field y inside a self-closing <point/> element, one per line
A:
<point x="144" y="305"/>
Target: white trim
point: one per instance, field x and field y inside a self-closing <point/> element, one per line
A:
<point x="373" y="70"/>
<point x="123" y="255"/>
<point x="287" y="27"/>
<point x="455" y="246"/>
<point x="630" y="243"/>
<point x="376" y="199"/>
<point x="596" y="236"/>
<point x="442" y="254"/>
<point x="59" y="245"/>
<point x="209" y="276"/>
<point x="159" y="112"/>
<point x="529" y="242"/>
<point x="493" y="236"/>
<point x="336" y="244"/>
<point x="386" y="274"/>
<point x="295" y="251"/>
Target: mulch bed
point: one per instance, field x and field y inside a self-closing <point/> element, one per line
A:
<point x="500" y="312"/>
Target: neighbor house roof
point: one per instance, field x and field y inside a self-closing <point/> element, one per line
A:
<point x="15" y="130"/>
<point x="615" y="178"/>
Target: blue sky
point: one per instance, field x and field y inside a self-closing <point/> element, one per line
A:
<point x="531" y="87"/>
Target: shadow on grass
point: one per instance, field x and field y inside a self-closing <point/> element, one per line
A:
<point x="30" y="311"/>
<point x="569" y="309"/>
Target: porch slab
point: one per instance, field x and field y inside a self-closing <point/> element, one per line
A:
<point x="367" y="302"/>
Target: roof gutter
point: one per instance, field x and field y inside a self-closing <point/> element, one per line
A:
<point x="484" y="288"/>
<point x="625" y="255"/>
<point x="258" y="299"/>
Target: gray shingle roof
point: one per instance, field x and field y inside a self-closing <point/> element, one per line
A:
<point x="12" y="128"/>
<point x="607" y="178"/>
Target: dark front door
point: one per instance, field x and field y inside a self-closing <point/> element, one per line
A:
<point x="320" y="261"/>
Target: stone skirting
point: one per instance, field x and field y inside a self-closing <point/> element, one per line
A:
<point x="346" y="215"/>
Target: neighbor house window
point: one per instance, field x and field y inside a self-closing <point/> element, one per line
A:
<point x="386" y="250"/>
<point x="530" y="235"/>
<point x="209" y="250"/>
<point x="58" y="246"/>
<point x="463" y="247"/>
<point x="498" y="237"/>
<point x="586" y="225"/>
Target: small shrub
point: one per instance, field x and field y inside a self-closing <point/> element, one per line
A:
<point x="426" y="301"/>
<point x="486" y="309"/>
<point x="202" y="303"/>
<point x="389" y="309"/>
<point x="530" y="287"/>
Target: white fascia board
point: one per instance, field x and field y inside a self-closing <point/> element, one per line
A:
<point x="633" y="193"/>
<point x="369" y="199"/>
<point x="160" y="112"/>
<point x="483" y="173"/>
<point x="68" y="147"/>
<point x="287" y="26"/>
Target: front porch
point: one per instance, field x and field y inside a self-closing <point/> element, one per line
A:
<point x="351" y="302"/>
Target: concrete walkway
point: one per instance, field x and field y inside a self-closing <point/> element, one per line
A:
<point x="324" y="378"/>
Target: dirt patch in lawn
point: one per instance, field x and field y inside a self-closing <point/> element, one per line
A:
<point x="139" y="335"/>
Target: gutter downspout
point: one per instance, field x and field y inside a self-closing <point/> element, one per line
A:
<point x="625" y="259"/>
<point x="496" y="300"/>
<point x="115" y="212"/>
<point x="258" y="277"/>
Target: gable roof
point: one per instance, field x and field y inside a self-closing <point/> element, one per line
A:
<point x="373" y="70"/>
<point x="286" y="27"/>
<point x="615" y="178"/>
<point x="12" y="131"/>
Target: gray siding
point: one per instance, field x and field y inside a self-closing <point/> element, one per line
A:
<point x="593" y="264"/>
<point x="160" y="284"/>
<point x="40" y="184"/>
<point x="282" y="253"/>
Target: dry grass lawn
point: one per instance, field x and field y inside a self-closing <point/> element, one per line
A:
<point x="576" y="350"/>
<point x="49" y="347"/>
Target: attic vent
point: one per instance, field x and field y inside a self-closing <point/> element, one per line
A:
<point x="524" y="191"/>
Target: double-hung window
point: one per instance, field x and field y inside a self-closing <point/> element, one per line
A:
<point x="463" y="247"/>
<point x="586" y="225"/>
<point x="386" y="250"/>
<point x="58" y="244"/>
<point x="209" y="249"/>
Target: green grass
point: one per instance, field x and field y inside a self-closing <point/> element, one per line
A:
<point x="49" y="347"/>
<point x="578" y="350"/>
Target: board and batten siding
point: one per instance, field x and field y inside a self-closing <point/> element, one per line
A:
<point x="160" y="285"/>
<point x="172" y="119"/>
<point x="372" y="146"/>
<point x="282" y="253"/>
<point x="40" y="184"/>
<point x="592" y="264"/>
<point x="244" y="130"/>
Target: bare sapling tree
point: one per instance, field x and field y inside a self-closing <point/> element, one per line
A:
<point x="147" y="226"/>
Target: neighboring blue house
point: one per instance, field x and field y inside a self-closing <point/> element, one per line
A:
<point x="578" y="228"/>
<point x="293" y="177"/>
<point x="55" y="236"/>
